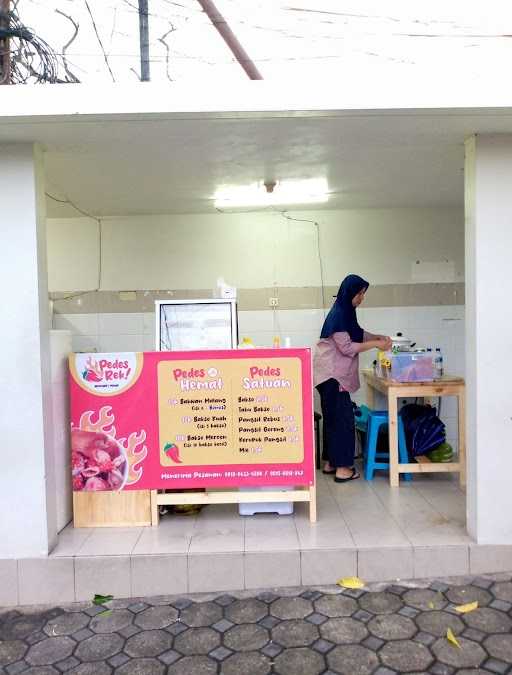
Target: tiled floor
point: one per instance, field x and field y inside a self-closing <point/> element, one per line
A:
<point x="427" y="512"/>
<point x="363" y="528"/>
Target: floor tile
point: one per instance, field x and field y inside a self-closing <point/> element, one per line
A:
<point x="159" y="575"/>
<point x="42" y="580"/>
<point x="367" y="520"/>
<point x="110" y="541"/>
<point x="8" y="583"/>
<point x="327" y="566"/>
<point x="385" y="564"/>
<point x="70" y="540"/>
<point x="102" y="575"/>
<point x="270" y="532"/>
<point x="171" y="536"/>
<point x="418" y="517"/>
<point x="272" y="569"/>
<point x="489" y="558"/>
<point x="440" y="561"/>
<point x="218" y="535"/>
<point x="215" y="572"/>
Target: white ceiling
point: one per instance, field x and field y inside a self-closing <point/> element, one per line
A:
<point x="155" y="164"/>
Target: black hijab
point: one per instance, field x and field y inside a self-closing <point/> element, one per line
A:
<point x="342" y="317"/>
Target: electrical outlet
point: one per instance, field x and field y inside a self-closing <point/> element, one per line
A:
<point x="273" y="302"/>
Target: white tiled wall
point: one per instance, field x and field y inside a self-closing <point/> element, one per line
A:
<point x="441" y="326"/>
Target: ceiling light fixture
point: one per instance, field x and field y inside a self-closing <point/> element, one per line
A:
<point x="273" y="193"/>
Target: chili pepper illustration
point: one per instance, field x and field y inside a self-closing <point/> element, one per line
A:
<point x="173" y="452"/>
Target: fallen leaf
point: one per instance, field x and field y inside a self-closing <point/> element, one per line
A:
<point x="469" y="607"/>
<point x="350" y="582"/>
<point x="451" y="638"/>
<point x="105" y="613"/>
<point x="431" y="605"/>
<point x="102" y="599"/>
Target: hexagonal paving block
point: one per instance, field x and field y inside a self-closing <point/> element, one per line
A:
<point x="502" y="590"/>
<point x="50" y="650"/>
<point x="201" y="614"/>
<point x="295" y="633"/>
<point x="437" y="623"/>
<point x="352" y="660"/>
<point x="156" y="617"/>
<point x="443" y="669"/>
<point x="20" y="628"/>
<point x="11" y="651"/>
<point x="460" y="595"/>
<point x="343" y="631"/>
<point x="495" y="666"/>
<point x="406" y="656"/>
<point x="488" y="620"/>
<point x="197" y="641"/>
<point x="66" y="624"/>
<point x="142" y="667"/>
<point x="336" y="605"/>
<point x="247" y="663"/>
<point x="220" y="653"/>
<point x="246" y="637"/>
<point x="470" y="654"/>
<point x="225" y="600"/>
<point x="148" y="643"/>
<point x="291" y="608"/>
<point x="95" y="668"/>
<point x="111" y="623"/>
<point x="424" y="599"/>
<point x="246" y="611"/>
<point x="179" y="603"/>
<point x="500" y="647"/>
<point x="223" y="625"/>
<point x="380" y="602"/>
<point x="41" y="670"/>
<point x="300" y="661"/>
<point x="99" y="647"/>
<point x="392" y="627"/>
<point x="193" y="665"/>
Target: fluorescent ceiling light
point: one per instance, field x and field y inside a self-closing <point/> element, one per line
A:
<point x="310" y="191"/>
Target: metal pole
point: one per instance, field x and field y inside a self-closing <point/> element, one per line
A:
<point x="230" y="39"/>
<point x="5" y="47"/>
<point x="144" y="40"/>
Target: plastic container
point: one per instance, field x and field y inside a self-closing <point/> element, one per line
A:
<point x="412" y="367"/>
<point x="438" y="364"/>
<point x="251" y="508"/>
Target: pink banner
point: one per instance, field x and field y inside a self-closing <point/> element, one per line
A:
<point x="179" y="420"/>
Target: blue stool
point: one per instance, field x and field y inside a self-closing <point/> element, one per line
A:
<point x="376" y="419"/>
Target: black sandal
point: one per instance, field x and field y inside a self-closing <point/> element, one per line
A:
<point x="354" y="476"/>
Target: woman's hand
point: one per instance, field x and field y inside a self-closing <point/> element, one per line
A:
<point x="385" y="343"/>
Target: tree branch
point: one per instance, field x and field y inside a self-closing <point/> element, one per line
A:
<point x="72" y="77"/>
<point x="100" y="42"/>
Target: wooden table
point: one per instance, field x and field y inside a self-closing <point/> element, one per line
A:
<point x="447" y="386"/>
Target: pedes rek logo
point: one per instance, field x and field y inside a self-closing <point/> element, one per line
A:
<point x="106" y="374"/>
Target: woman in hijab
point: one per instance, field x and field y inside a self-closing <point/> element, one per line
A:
<point x="336" y="376"/>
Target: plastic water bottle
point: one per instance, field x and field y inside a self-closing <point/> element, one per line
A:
<point x="438" y="364"/>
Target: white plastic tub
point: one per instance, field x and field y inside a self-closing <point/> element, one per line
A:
<point x="252" y="508"/>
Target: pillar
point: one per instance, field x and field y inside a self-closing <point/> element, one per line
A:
<point x="488" y="204"/>
<point x="27" y="490"/>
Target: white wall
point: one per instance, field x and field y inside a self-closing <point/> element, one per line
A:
<point x="489" y="367"/>
<point x="27" y="478"/>
<point x="253" y="250"/>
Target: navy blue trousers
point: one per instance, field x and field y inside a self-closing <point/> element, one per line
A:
<point x="338" y="425"/>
